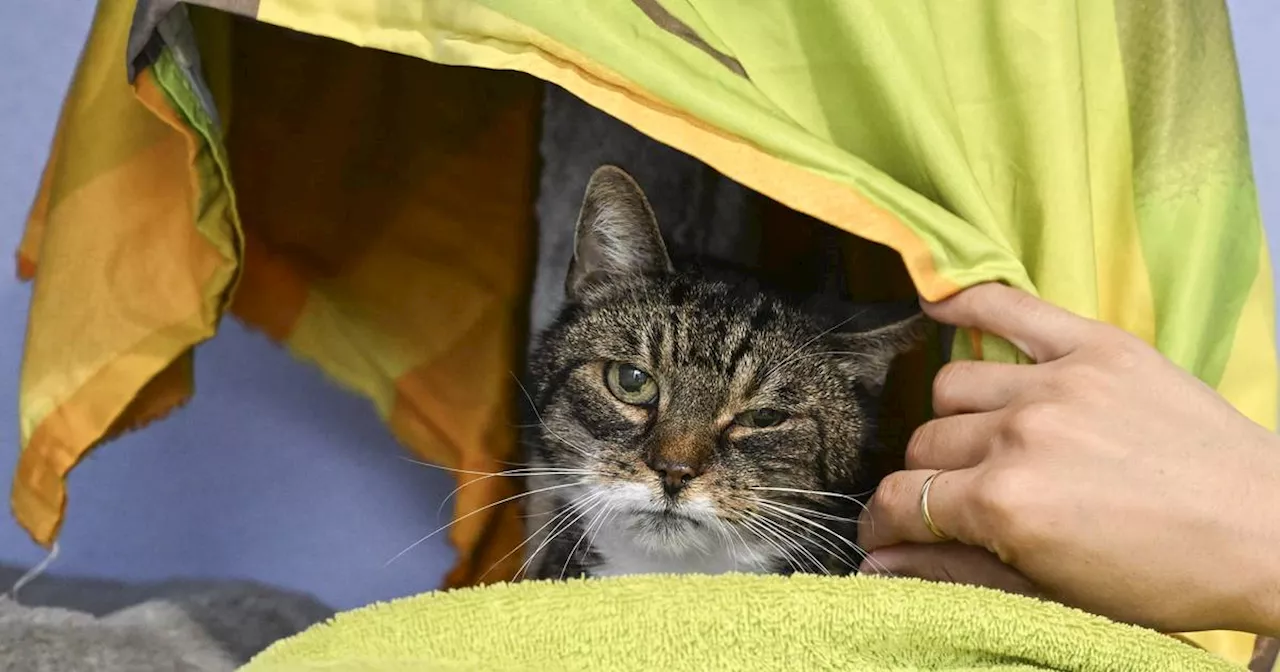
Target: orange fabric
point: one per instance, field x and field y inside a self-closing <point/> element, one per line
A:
<point x="272" y="291"/>
<point x="445" y="408"/>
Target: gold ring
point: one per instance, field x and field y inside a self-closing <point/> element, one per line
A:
<point x="924" y="506"/>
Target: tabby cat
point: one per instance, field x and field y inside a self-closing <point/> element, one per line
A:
<point x="692" y="420"/>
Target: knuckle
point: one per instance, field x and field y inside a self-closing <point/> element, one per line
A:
<point x="917" y="454"/>
<point x="892" y="489"/>
<point x="1004" y="500"/>
<point x="891" y="498"/>
<point x="950" y="379"/>
<point x="1125" y="352"/>
<point x="1117" y="347"/>
<point x="1016" y="510"/>
<point x="883" y="497"/>
<point x="1026" y="423"/>
<point x="1025" y="304"/>
<point x="1079" y="377"/>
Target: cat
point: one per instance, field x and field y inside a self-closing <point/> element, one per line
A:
<point x="691" y="419"/>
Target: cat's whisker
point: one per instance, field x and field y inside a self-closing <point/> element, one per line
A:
<point x="722" y="531"/>
<point x="533" y="534"/>
<point x="829" y="547"/>
<point x="553" y="512"/>
<point x="563" y="522"/>
<point x="789" y="538"/>
<point x="479" y="511"/>
<point x="560" y="529"/>
<point x="510" y="463"/>
<point x="861" y="552"/>
<point x="800" y="509"/>
<point x="612" y="512"/>
<point x="880" y="568"/>
<point x="818" y="493"/>
<point x="755" y="555"/>
<point x="513" y="473"/>
<point x="560" y="521"/>
<point x="604" y="506"/>
<point x="751" y="525"/>
<point x="801" y="539"/>
<point x="823" y="493"/>
<point x="523" y="471"/>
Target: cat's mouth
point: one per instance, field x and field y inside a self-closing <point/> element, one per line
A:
<point x="667" y="524"/>
<point x="643" y="513"/>
<point x="667" y="519"/>
<point x="670" y="513"/>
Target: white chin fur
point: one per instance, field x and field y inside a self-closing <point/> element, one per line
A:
<point x="637" y="539"/>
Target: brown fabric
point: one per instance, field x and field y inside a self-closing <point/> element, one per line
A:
<point x="387" y="208"/>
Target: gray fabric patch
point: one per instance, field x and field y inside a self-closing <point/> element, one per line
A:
<point x="160" y="25"/>
<point x="148" y="16"/>
<point x="72" y="623"/>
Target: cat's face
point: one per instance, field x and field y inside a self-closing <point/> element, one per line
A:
<point x="693" y="410"/>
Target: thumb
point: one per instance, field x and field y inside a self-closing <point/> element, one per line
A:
<point x="1040" y="329"/>
<point x="951" y="562"/>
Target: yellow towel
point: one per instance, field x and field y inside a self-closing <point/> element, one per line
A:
<point x="732" y="622"/>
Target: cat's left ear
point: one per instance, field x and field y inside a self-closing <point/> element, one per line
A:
<point x="617" y="234"/>
<point x="877" y="336"/>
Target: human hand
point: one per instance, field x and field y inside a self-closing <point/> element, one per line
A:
<point x="1103" y="476"/>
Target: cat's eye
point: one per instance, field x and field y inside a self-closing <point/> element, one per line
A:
<point x="760" y="418"/>
<point x="630" y="384"/>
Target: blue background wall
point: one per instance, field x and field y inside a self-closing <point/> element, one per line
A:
<point x="272" y="472"/>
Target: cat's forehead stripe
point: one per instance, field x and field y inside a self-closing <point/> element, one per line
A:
<point x="761" y="315"/>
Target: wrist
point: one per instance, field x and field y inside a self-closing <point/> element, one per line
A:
<point x="1260" y="606"/>
<point x="1259" y="528"/>
<point x="1263" y="601"/>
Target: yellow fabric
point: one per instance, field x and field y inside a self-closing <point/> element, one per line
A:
<point x="732" y="622"/>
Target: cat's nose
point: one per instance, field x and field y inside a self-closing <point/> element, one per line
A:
<point x="674" y="475"/>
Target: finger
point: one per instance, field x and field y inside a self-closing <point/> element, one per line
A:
<point x="893" y="516"/>
<point x="957" y="442"/>
<point x="1040" y="329"/>
<point x="950" y="562"/>
<point x="973" y="387"/>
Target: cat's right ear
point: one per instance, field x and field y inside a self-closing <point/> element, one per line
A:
<point x="617" y="234"/>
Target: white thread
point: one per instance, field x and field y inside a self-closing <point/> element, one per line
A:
<point x="33" y="573"/>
